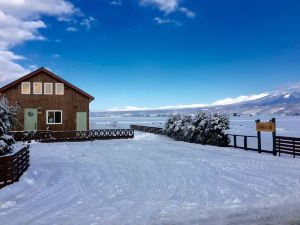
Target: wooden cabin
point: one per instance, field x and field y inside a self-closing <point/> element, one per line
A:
<point x="48" y="102"/>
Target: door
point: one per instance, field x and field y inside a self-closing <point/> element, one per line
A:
<point x="30" y="119"/>
<point x="81" y="122"/>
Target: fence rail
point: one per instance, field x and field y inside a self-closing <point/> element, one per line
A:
<point x="67" y="136"/>
<point x="13" y="166"/>
<point x="154" y="130"/>
<point x="245" y="146"/>
<point x="288" y="145"/>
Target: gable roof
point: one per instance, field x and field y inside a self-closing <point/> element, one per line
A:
<point x="42" y="69"/>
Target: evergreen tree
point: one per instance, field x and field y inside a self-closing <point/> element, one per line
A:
<point x="203" y="129"/>
<point x="8" y="119"/>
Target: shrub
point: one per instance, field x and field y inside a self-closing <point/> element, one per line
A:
<point x="8" y="115"/>
<point x="211" y="130"/>
<point x="171" y="125"/>
<point x="203" y="129"/>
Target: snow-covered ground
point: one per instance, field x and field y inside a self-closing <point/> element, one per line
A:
<point x="245" y="125"/>
<point x="152" y="180"/>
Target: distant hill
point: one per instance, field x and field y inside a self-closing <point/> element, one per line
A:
<point x="285" y="101"/>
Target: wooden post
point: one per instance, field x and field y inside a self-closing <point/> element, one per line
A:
<point x="245" y="143"/>
<point x="279" y="146"/>
<point x="274" y="137"/>
<point x="234" y="141"/>
<point x="258" y="139"/>
<point x="294" y="151"/>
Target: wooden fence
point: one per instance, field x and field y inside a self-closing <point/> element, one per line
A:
<point x="281" y="144"/>
<point x="13" y="166"/>
<point x="148" y="129"/>
<point x="288" y="145"/>
<point x="245" y="145"/>
<point x="67" y="136"/>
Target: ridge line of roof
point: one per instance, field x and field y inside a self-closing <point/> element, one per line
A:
<point x="35" y="72"/>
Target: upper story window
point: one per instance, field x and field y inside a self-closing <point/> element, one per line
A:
<point x="25" y="86"/>
<point x="59" y="88"/>
<point x="37" y="88"/>
<point x="48" y="88"/>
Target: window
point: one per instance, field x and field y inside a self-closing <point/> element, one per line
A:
<point x="59" y="88"/>
<point x="48" y="88"/>
<point x="25" y="88"/>
<point x="37" y="88"/>
<point x="54" y="117"/>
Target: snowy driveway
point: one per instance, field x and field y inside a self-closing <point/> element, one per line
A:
<point x="152" y="180"/>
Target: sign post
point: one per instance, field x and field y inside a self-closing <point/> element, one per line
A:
<point x="258" y="137"/>
<point x="266" y="127"/>
<point x="274" y="137"/>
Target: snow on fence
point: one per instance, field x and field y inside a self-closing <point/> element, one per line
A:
<point x="148" y="129"/>
<point x="62" y="136"/>
<point x="13" y="166"/>
<point x="288" y="145"/>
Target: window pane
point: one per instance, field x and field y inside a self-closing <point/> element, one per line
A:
<point x="37" y="88"/>
<point x="59" y="88"/>
<point x="48" y="88"/>
<point x="51" y="117"/>
<point x="25" y="88"/>
<point x="57" y="117"/>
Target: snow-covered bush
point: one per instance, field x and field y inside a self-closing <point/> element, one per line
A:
<point x="8" y="115"/>
<point x="202" y="129"/>
<point x="179" y="127"/>
<point x="171" y="125"/>
<point x="211" y="129"/>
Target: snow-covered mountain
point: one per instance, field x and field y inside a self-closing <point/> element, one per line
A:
<point x="284" y="101"/>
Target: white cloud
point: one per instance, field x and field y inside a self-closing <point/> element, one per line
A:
<point x="72" y="29"/>
<point x="116" y="2"/>
<point x="20" y="21"/>
<point x="243" y="98"/>
<point x="226" y="101"/>
<point x="33" y="67"/>
<point x="159" y="20"/>
<point x="35" y="8"/>
<point x="15" y="31"/>
<point x="10" y="70"/>
<point x="183" y="106"/>
<point x="134" y="108"/>
<point x="168" y="6"/>
<point x="187" y="12"/>
<point x="127" y="108"/>
<point x="87" y="22"/>
<point x="55" y="55"/>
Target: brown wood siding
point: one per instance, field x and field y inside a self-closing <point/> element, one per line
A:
<point x="70" y="103"/>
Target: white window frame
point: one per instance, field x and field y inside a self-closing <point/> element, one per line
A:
<point x="37" y="93"/>
<point x="22" y="88"/>
<point x="63" y="88"/>
<point x="45" y="88"/>
<point x="47" y="111"/>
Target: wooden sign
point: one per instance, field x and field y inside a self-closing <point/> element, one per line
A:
<point x="265" y="127"/>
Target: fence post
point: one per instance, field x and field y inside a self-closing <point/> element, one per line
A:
<point x="234" y="141"/>
<point x="258" y="139"/>
<point x="294" y="150"/>
<point x="274" y="137"/>
<point x="245" y="143"/>
<point x="279" y="147"/>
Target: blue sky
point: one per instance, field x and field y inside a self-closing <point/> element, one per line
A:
<point x="154" y="53"/>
